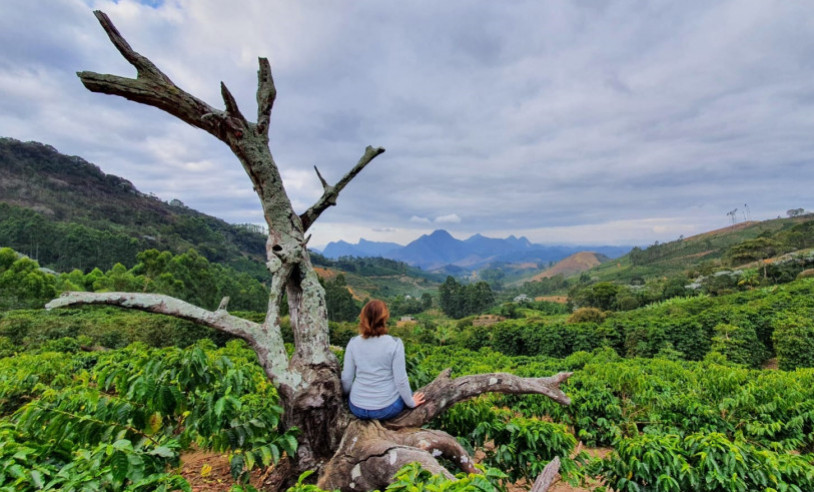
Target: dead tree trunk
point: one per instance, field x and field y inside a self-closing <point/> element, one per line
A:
<point x="348" y="454"/>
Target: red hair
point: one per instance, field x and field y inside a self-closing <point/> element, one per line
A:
<point x="373" y="319"/>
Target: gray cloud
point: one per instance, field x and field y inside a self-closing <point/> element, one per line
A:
<point x="637" y="120"/>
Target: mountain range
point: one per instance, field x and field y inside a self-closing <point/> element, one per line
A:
<point x="53" y="206"/>
<point x="440" y="249"/>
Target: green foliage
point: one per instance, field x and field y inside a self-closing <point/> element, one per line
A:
<point x="339" y="301"/>
<point x="22" y="283"/>
<point x="522" y="446"/>
<point x="118" y="419"/>
<point x="545" y="286"/>
<point x="739" y="344"/>
<point x="586" y="315"/>
<point x="601" y="295"/>
<point x="191" y="277"/>
<point x="103" y="326"/>
<point x="413" y="478"/>
<point x="702" y="462"/>
<point x="459" y="300"/>
<point x="752" y="250"/>
<point x="794" y="340"/>
<point x="534" y="337"/>
<point x="188" y="276"/>
<point x="402" y="305"/>
<point x="85" y="218"/>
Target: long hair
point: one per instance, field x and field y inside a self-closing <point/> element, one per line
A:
<point x="373" y="319"/>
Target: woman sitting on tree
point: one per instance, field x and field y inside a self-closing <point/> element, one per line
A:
<point x="374" y="372"/>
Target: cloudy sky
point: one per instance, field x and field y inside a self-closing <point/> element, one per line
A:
<point x="591" y="122"/>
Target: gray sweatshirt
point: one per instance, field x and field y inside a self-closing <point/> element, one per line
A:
<point x="374" y="372"/>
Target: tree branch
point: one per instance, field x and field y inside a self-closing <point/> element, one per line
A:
<point x="143" y="65"/>
<point x="154" y="88"/>
<point x="230" y="103"/>
<point x="266" y="93"/>
<point x="443" y="392"/>
<point x="331" y="193"/>
<point x="325" y="184"/>
<point x="547" y="476"/>
<point x="266" y="341"/>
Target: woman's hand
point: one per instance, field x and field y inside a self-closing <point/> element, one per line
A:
<point x="418" y="399"/>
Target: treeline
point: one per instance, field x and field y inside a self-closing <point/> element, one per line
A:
<point x="64" y="246"/>
<point x="800" y="236"/>
<point x="66" y="213"/>
<point x="459" y="300"/>
<point x="188" y="276"/>
<point x="371" y="266"/>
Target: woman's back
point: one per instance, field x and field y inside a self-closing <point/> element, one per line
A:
<point x="378" y="366"/>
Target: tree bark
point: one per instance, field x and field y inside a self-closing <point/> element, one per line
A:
<point x="347" y="453"/>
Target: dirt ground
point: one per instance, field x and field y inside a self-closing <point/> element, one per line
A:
<point x="209" y="472"/>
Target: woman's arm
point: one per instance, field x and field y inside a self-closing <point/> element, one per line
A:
<point x="348" y="369"/>
<point x="400" y="377"/>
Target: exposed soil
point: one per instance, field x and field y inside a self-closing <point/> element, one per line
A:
<point x="209" y="472"/>
<point x="559" y="299"/>
<point x="487" y="320"/>
<point x="578" y="262"/>
<point x="326" y="273"/>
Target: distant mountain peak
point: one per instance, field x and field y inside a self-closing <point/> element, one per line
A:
<point x="440" y="233"/>
<point x="440" y="249"/>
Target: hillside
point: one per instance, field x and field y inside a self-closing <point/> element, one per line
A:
<point x="707" y="252"/>
<point x="377" y="277"/>
<point x="67" y="213"/>
<point x="576" y="263"/>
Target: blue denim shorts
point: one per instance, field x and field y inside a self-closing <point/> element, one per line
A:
<point x="385" y="413"/>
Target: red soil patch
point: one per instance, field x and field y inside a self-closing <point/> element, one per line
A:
<point x="218" y="478"/>
<point x="325" y="273"/>
<point x="723" y="230"/>
<point x="559" y="299"/>
<point x="576" y="263"/>
<point x="487" y="320"/>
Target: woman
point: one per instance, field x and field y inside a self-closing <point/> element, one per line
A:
<point x="374" y="372"/>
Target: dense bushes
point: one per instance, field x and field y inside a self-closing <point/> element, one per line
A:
<point x="701" y="461"/>
<point x="102" y="326"/>
<point x="116" y="420"/>
<point x="652" y="411"/>
<point x="22" y="283"/>
<point x="745" y="327"/>
<point x="794" y="340"/>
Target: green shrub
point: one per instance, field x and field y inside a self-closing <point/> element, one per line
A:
<point x="794" y="341"/>
<point x="586" y="315"/>
<point x="739" y="344"/>
<point x="702" y="462"/>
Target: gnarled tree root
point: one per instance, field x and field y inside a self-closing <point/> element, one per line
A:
<point x="370" y="454"/>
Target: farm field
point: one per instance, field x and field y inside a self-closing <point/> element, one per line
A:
<point x="668" y="415"/>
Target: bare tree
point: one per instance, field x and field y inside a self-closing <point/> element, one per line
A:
<point x="348" y="454"/>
